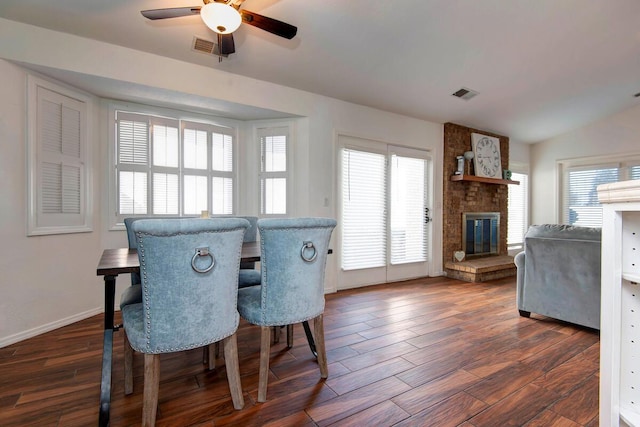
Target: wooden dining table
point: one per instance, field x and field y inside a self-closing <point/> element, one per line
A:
<point x="114" y="262"/>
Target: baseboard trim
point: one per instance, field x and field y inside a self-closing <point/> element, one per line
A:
<point x="30" y="333"/>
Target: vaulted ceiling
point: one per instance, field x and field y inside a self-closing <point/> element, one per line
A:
<point x="540" y="67"/>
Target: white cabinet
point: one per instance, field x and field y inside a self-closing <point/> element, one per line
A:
<point x="620" y="313"/>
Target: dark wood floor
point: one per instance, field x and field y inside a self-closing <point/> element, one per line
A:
<point x="433" y="352"/>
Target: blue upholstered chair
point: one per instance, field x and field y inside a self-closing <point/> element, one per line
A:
<point x="132" y="294"/>
<point x="189" y="271"/>
<point x="293" y="259"/>
<point x="248" y="275"/>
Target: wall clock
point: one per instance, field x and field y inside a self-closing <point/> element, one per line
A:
<point x="486" y="159"/>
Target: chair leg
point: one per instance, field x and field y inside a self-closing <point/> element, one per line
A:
<point x="276" y="334"/>
<point x="289" y="336"/>
<point x="151" y="384"/>
<point x="233" y="370"/>
<point x="205" y="355"/>
<point x="265" y="346"/>
<point x="318" y="326"/>
<point x="128" y="365"/>
<point x="210" y="354"/>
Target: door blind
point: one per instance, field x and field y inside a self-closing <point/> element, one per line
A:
<point x="408" y="214"/>
<point x="363" y="210"/>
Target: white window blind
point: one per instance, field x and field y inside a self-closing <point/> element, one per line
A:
<point x="191" y="167"/>
<point x="273" y="170"/>
<point x="634" y="172"/>
<point x="580" y="197"/>
<point x="363" y="210"/>
<point x="518" y="211"/>
<point x="408" y="204"/>
<point x="58" y="153"/>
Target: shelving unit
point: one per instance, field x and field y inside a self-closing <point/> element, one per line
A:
<point x="620" y="310"/>
<point x="483" y="179"/>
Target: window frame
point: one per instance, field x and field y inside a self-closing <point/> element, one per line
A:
<point x="229" y="126"/>
<point x="513" y="248"/>
<point x="624" y="163"/>
<point x="268" y="128"/>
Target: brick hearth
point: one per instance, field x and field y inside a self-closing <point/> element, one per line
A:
<point x="482" y="269"/>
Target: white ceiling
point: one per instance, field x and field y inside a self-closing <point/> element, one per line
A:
<point x="541" y="67"/>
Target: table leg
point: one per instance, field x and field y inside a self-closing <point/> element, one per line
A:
<point x="107" y="349"/>
<point x="312" y="343"/>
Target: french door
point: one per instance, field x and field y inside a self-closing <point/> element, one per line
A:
<point x="384" y="208"/>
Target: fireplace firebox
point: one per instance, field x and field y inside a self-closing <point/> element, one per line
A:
<point x="480" y="233"/>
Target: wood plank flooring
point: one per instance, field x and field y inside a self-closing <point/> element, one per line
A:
<point x="429" y="352"/>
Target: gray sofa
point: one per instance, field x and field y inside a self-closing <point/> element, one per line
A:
<point x="559" y="274"/>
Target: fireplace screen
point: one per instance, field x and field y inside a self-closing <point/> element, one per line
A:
<point x="480" y="233"/>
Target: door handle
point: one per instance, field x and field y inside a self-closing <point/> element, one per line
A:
<point x="427" y="219"/>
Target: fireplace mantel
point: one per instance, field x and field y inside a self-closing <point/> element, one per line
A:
<point x="483" y="179"/>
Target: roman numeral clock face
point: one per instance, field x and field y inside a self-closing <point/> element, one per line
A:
<point x="486" y="156"/>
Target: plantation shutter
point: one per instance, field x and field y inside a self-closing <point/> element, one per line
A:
<point x="363" y="209"/>
<point x="222" y="172"/>
<point x="59" y="140"/>
<point x="273" y="170"/>
<point x="195" y="164"/>
<point x="165" y="167"/>
<point x="133" y="163"/>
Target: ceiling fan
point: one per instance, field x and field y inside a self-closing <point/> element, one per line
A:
<point x="224" y="17"/>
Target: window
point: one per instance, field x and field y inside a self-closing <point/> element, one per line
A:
<point x="580" y="205"/>
<point x="274" y="170"/>
<point x="518" y="212"/>
<point x="58" y="159"/>
<point x="168" y="166"/>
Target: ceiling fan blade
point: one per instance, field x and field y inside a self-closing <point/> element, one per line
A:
<point x="171" y="12"/>
<point x="270" y="25"/>
<point x="226" y="44"/>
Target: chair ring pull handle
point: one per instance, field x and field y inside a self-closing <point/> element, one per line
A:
<point x="202" y="252"/>
<point x="305" y="246"/>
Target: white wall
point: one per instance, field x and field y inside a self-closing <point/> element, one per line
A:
<point x="45" y="281"/>
<point x="617" y="134"/>
<point x="519" y="157"/>
<point x="50" y="280"/>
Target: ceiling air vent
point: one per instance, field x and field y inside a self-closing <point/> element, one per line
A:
<point x="465" y="93"/>
<point x="206" y="46"/>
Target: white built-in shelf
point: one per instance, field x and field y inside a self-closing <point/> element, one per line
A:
<point x="631" y="277"/>
<point x="629" y="416"/>
<point x="620" y="309"/>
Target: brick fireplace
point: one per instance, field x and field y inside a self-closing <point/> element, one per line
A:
<point x="472" y="197"/>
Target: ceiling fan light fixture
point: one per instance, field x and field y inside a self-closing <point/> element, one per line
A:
<point x="220" y="17"/>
